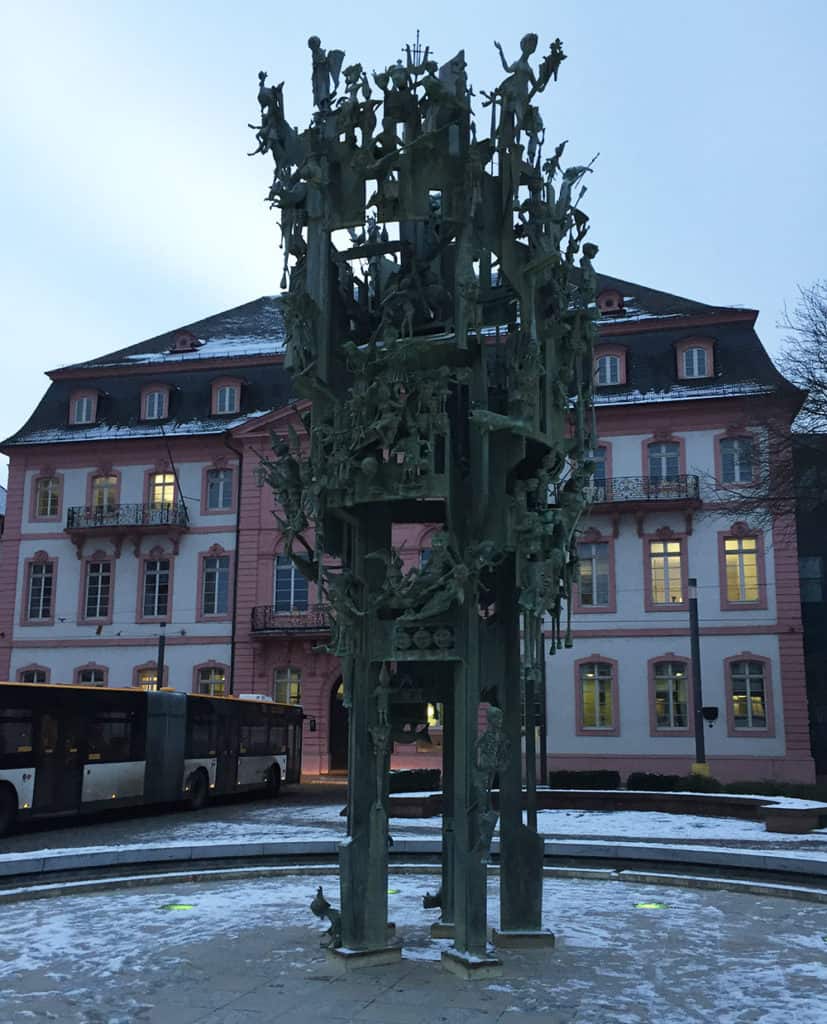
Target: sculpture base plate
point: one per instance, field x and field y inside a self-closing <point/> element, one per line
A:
<point x="523" y="940"/>
<point x="471" y="968"/>
<point x="442" y="930"/>
<point x="353" y="959"/>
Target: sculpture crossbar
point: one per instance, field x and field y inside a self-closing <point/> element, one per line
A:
<point x="440" y="319"/>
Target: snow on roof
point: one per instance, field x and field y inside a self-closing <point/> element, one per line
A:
<point x="681" y="393"/>
<point x="121" y="432"/>
<point x="211" y="348"/>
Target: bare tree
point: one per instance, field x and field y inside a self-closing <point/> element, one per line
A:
<point x="804" y="355"/>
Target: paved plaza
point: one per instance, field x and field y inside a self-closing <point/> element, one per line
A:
<point x="231" y="952"/>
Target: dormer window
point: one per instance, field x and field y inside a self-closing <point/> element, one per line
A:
<point x="154" y="403"/>
<point x="610" y="303"/>
<point x="694" y="362"/>
<point x="608" y="370"/>
<point x="83" y="407"/>
<point x="226" y="397"/>
<point x="184" y="341"/>
<point x="695" y="358"/>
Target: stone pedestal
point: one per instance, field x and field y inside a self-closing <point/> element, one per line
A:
<point x="523" y="939"/>
<point x="471" y="968"/>
<point x="353" y="959"/>
<point x="442" y="930"/>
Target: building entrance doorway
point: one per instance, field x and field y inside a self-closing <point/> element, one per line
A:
<point x="338" y="722"/>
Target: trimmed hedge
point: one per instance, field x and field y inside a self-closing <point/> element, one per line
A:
<point x="772" y="787"/>
<point x="673" y="783"/>
<point x="602" y="779"/>
<point x="415" y="780"/>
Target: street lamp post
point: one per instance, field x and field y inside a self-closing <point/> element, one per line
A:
<point x="700" y="767"/>
<point x="162" y="643"/>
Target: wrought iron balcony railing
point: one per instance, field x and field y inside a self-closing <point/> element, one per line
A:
<point x="682" y="487"/>
<point x="91" y="517"/>
<point x="267" y="618"/>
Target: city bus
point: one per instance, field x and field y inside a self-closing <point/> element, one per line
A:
<point x="71" y="749"/>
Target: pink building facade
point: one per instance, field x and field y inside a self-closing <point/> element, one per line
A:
<point x="135" y="506"/>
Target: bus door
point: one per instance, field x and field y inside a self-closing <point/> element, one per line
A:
<point x="61" y="753"/>
<point x="226" y="771"/>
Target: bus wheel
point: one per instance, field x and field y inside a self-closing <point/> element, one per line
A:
<point x="8" y="809"/>
<point x="199" y="790"/>
<point x="275" y="780"/>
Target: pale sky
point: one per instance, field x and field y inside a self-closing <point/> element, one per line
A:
<point x="128" y="206"/>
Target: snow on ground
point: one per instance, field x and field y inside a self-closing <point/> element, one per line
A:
<point x="271" y="822"/>
<point x="696" y="956"/>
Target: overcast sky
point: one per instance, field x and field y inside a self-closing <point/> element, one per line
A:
<point x="128" y="206"/>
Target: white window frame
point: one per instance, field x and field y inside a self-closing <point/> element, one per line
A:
<point x="226" y="399"/>
<point x="695" y="362"/>
<point x="298" y="584"/>
<point x="155" y="404"/>
<point x="739" y="553"/>
<point x="674" y="674"/>
<point x="743" y="469"/>
<point x="608" y="370"/>
<point x="602" y="678"/>
<point x="102" y="598"/>
<point x="659" y="455"/>
<point x="587" y="555"/>
<point x="40" y="593"/>
<point x="749" y="677"/>
<point x="215" y="567"/>
<point x="83" y="409"/>
<point x="212" y="680"/>
<point x="220" y="485"/>
<point x="92" y="672"/>
<point x="154" y="579"/>
<point x="47" y="488"/>
<point x="162" y="483"/>
<point x="108" y="491"/>
<point x="669" y="549"/>
<point x="287" y="684"/>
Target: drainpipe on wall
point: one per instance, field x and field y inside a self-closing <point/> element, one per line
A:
<point x="227" y="439"/>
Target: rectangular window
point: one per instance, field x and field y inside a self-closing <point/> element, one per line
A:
<point x="666" y="573"/>
<point x="41" y="585"/>
<point x="608" y="370"/>
<point x="147" y="678"/>
<point x="156" y="588"/>
<point x="92" y="677"/>
<point x="694" y="362"/>
<point x="219" y="489"/>
<point x="671" y="695"/>
<point x="811" y="574"/>
<point x="749" y="708"/>
<point x="741" y="558"/>
<point x="287" y="686"/>
<point x="736" y="460"/>
<point x="211" y="680"/>
<point x="104" y="493"/>
<point x="47" y="497"/>
<point x="155" y="405"/>
<point x="83" y="409"/>
<point x="33" y="675"/>
<point x="15" y="731"/>
<point x="290" y="587"/>
<point x="598" y="457"/>
<point x="215" y="585"/>
<point x="593" y="579"/>
<point x="664" y="461"/>
<point x="109" y="736"/>
<point x="98" y="589"/>
<point x="161" y="490"/>
<point x="226" y="398"/>
<point x="596" y="707"/>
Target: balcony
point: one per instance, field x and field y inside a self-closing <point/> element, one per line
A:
<point x="638" y="494"/>
<point x="127" y="521"/>
<point x="267" y="620"/>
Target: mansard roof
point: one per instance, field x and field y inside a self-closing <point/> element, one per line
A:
<point x="247" y="342"/>
<point x="253" y="329"/>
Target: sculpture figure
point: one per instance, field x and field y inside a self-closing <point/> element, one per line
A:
<point x="325" y="77"/>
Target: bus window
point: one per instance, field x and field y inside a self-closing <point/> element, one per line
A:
<point x="252" y="733"/>
<point x="15" y="731"/>
<point x="110" y="736"/>
<point x="278" y="738"/>
<point x="201" y="731"/>
<point x="48" y="734"/>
